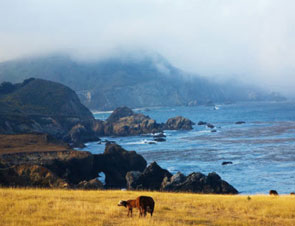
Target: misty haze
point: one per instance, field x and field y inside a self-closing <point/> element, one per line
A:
<point x="153" y="97"/>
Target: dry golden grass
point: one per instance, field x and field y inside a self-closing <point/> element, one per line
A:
<point x="77" y="207"/>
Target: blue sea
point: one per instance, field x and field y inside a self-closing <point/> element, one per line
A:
<point x="262" y="150"/>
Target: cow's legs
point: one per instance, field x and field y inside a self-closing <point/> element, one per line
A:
<point x="129" y="211"/>
<point x="140" y="211"/>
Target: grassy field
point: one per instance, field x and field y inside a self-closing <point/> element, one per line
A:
<point x="77" y="207"/>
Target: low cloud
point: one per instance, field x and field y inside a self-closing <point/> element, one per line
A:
<point x="248" y="40"/>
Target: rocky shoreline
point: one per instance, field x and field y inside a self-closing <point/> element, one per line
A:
<point x="79" y="170"/>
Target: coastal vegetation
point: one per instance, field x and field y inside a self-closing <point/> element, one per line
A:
<point x="81" y="207"/>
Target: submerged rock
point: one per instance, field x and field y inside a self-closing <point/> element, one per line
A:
<point x="159" y="139"/>
<point x="209" y="125"/>
<point x="160" y="135"/>
<point x="151" y="142"/>
<point x="201" y="123"/>
<point x="226" y="163"/>
<point x="240" y="122"/>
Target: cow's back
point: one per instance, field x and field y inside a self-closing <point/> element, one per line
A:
<point x="144" y="201"/>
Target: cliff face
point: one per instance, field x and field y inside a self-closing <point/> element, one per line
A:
<point x="40" y="106"/>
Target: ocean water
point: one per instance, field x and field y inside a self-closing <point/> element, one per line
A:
<point x="262" y="150"/>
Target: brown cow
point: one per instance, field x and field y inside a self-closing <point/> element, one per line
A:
<point x="143" y="203"/>
<point x="273" y="192"/>
<point x="292" y="193"/>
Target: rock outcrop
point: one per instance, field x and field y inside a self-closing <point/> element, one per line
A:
<point x="170" y="183"/>
<point x="124" y="122"/>
<point x="150" y="179"/>
<point x="115" y="162"/>
<point x="179" y="123"/>
<point x="118" y="113"/>
<point x="198" y="183"/>
<point x="132" y="178"/>
<point x="80" y="134"/>
<point x="156" y="178"/>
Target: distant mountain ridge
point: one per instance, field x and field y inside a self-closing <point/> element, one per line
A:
<point x="145" y="82"/>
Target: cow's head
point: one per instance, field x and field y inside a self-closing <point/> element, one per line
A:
<point x="122" y="203"/>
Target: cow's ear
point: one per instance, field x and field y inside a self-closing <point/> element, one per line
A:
<point x="125" y="203"/>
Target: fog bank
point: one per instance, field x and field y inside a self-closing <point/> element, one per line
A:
<point x="247" y="40"/>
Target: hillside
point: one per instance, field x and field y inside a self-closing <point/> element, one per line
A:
<point x="76" y="207"/>
<point x="41" y="106"/>
<point x="148" y="81"/>
<point x="41" y="97"/>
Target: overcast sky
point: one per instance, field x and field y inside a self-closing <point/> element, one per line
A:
<point x="253" y="40"/>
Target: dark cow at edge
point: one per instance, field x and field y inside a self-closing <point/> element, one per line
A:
<point x="142" y="203"/>
<point x="273" y="192"/>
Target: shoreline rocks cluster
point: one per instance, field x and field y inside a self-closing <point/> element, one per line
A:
<point x="156" y="178"/>
<point x="80" y="170"/>
<point x="124" y="122"/>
